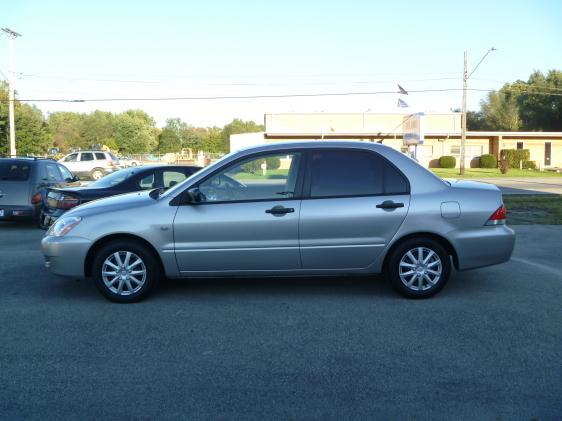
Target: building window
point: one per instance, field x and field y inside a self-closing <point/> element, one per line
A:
<point x="519" y="145"/>
<point x="455" y="149"/>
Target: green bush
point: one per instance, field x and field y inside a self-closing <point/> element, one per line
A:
<point x="447" y="162"/>
<point x="529" y="165"/>
<point x="488" y="161"/>
<point x="273" y="163"/>
<point x="504" y="165"/>
<point x="515" y="156"/>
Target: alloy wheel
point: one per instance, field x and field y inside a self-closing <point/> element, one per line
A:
<point x="123" y="273"/>
<point x="420" y="269"/>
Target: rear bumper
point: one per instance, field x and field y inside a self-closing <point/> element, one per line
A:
<point x="12" y="213"/>
<point x="65" y="256"/>
<point x="485" y="246"/>
<point x="49" y="217"/>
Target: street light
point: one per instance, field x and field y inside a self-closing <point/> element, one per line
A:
<point x="11" y="97"/>
<point x="465" y="78"/>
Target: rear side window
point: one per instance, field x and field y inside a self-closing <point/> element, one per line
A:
<point x="14" y="171"/>
<point x="171" y="178"/>
<point x="100" y="155"/>
<point x="87" y="156"/>
<point x="353" y="173"/>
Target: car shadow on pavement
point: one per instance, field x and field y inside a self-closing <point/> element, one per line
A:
<point x="349" y="285"/>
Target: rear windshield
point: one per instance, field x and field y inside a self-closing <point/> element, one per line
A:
<point x="14" y="171"/>
<point x="113" y="179"/>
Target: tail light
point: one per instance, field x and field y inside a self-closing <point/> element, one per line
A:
<point x="498" y="217"/>
<point x="67" y="202"/>
<point x="36" y="198"/>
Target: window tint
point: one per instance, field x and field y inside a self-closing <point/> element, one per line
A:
<point x="14" y="171"/>
<point x="52" y="172"/>
<point x="65" y="173"/>
<point x="100" y="155"/>
<point x="171" y="178"/>
<point x="352" y="173"/>
<point x="71" y="158"/>
<point x="270" y="177"/>
<point x="87" y="156"/>
<point x="147" y="182"/>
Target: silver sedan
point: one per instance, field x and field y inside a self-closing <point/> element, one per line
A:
<point x="287" y="209"/>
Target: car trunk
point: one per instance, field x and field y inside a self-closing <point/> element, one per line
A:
<point x="15" y="183"/>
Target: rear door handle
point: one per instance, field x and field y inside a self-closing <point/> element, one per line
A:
<point x="389" y="204"/>
<point x="279" y="210"/>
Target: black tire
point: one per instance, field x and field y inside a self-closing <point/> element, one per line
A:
<point x="150" y="264"/>
<point x="397" y="270"/>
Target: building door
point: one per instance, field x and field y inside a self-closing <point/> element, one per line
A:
<point x="547" y="153"/>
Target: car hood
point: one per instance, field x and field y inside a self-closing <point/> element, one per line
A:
<point x="478" y="185"/>
<point x="113" y="203"/>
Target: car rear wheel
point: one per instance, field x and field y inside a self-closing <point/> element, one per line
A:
<point x="125" y="271"/>
<point x="96" y="174"/>
<point x="419" y="268"/>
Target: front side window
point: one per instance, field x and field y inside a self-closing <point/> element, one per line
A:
<point x="267" y="177"/>
<point x="66" y="175"/>
<point x="52" y="172"/>
<point x="147" y="182"/>
<point x="71" y="158"/>
<point x="353" y="173"/>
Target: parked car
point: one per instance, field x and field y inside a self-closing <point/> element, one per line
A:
<point x="92" y="164"/>
<point x="23" y="185"/>
<point x="127" y="161"/>
<point x="58" y="201"/>
<point x="310" y="208"/>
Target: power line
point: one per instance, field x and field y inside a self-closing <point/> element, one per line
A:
<point x="303" y="95"/>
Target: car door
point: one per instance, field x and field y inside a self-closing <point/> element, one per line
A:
<point x="355" y="201"/>
<point x="245" y="219"/>
<point x="87" y="162"/>
<point x="71" y="162"/>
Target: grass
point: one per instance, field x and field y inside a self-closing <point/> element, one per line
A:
<point x="491" y="173"/>
<point x="533" y="210"/>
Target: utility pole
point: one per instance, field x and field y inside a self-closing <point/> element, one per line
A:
<point x="11" y="96"/>
<point x="465" y="78"/>
<point x="463" y="119"/>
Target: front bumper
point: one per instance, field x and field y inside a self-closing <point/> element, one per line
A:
<point x="65" y="256"/>
<point x="485" y="246"/>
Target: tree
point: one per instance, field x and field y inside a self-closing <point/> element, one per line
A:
<point x="542" y="111"/>
<point x="238" y="126"/>
<point x="501" y="111"/>
<point x="64" y="130"/>
<point x="170" y="139"/>
<point x="31" y="129"/>
<point x="133" y="134"/>
<point x="97" y="127"/>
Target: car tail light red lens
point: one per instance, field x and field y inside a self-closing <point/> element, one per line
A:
<point x="498" y="217"/>
<point x="36" y="198"/>
<point x="68" y="202"/>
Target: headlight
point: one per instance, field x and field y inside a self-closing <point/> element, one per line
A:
<point x="63" y="226"/>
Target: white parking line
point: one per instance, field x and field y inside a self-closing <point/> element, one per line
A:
<point x="537" y="265"/>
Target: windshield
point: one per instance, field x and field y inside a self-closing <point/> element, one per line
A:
<point x="178" y="187"/>
<point x="113" y="179"/>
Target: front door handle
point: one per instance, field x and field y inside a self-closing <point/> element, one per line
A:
<point x="279" y="210"/>
<point x="389" y="204"/>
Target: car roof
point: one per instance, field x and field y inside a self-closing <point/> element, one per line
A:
<point x="315" y="144"/>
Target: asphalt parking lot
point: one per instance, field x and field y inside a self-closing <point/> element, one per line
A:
<point x="489" y="346"/>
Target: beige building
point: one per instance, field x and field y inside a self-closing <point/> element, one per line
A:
<point x="442" y="133"/>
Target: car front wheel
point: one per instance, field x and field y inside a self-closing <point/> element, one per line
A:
<point x="419" y="268"/>
<point x="124" y="271"/>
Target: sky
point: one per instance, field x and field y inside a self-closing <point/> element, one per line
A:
<point x="199" y="49"/>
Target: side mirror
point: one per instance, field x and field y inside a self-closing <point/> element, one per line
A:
<point x="194" y="195"/>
